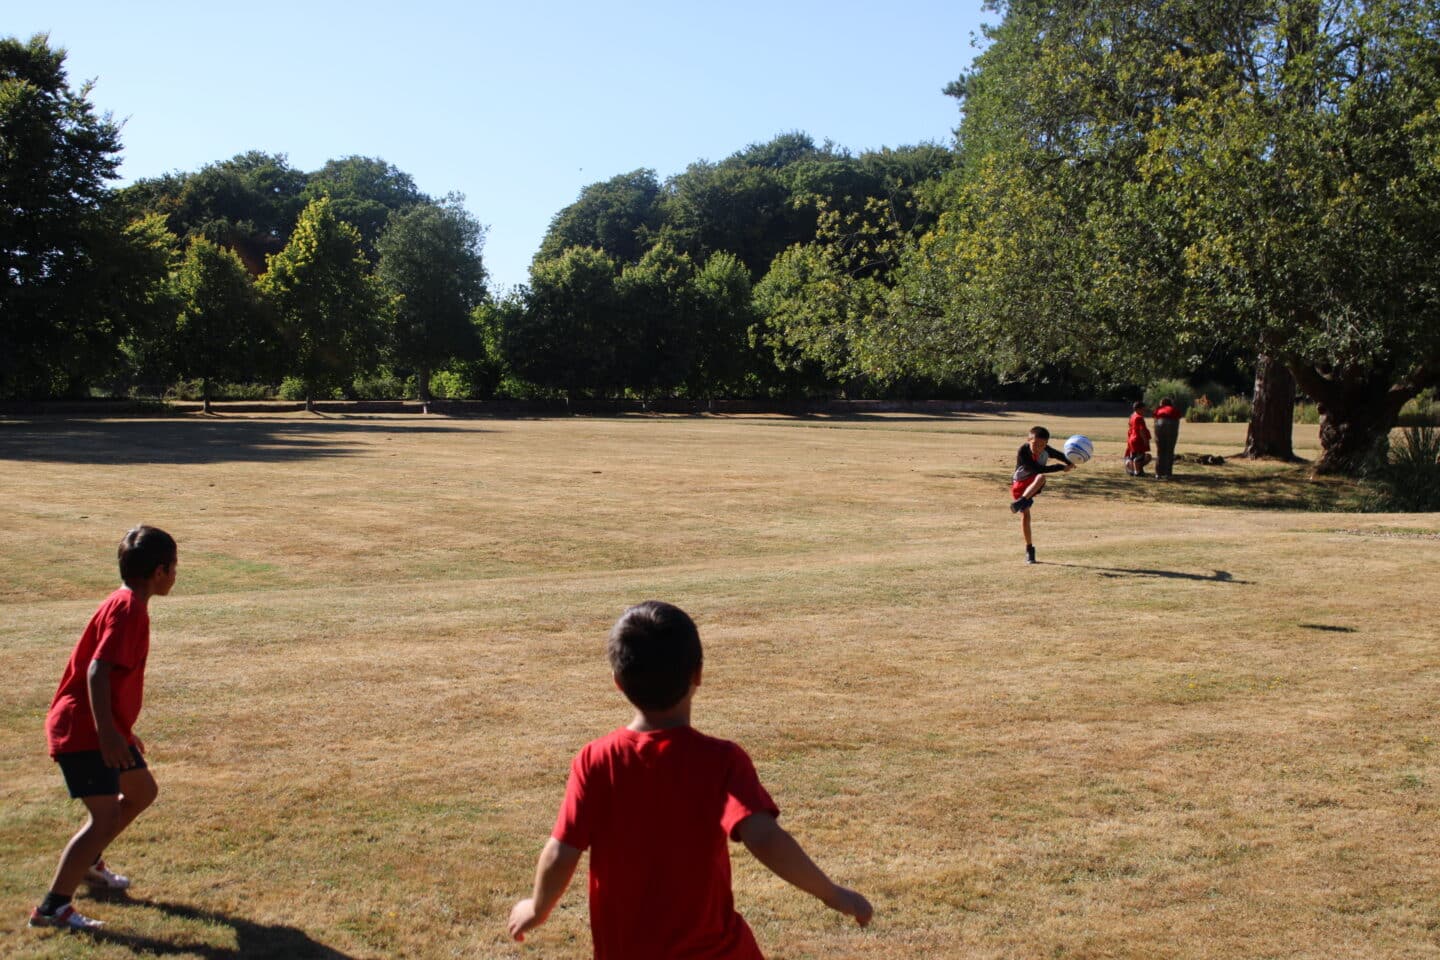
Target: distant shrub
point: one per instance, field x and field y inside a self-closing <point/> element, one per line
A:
<point x="449" y="385"/>
<point x="1408" y="480"/>
<point x="383" y="385"/>
<point x="1236" y="409"/>
<point x="1421" y="411"/>
<point x="291" y="388"/>
<point x="479" y="379"/>
<point x="1307" y="412"/>
<point x="246" y="391"/>
<point x="195" y="390"/>
<point x="1181" y="394"/>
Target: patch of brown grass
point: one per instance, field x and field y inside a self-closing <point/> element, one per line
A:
<point x="1191" y="731"/>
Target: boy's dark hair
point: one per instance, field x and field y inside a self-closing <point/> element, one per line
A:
<point x="1040" y="433"/>
<point x="1139" y="406"/>
<point x="143" y="550"/>
<point x="654" y="651"/>
<point x="1165" y="401"/>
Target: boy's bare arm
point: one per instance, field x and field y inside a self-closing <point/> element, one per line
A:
<point x="773" y="846"/>
<point x="114" y="749"/>
<point x="552" y="875"/>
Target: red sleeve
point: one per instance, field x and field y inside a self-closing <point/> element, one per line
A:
<point x="121" y="637"/>
<point x="572" y="827"/>
<point x="744" y="794"/>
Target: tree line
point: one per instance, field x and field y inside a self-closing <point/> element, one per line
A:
<point x="1135" y="191"/>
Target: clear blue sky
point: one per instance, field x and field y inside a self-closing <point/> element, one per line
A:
<point x="516" y="105"/>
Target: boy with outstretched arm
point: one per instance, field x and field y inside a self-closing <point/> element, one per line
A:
<point x="1032" y="462"/>
<point x="655" y="803"/>
<point x="90" y="725"/>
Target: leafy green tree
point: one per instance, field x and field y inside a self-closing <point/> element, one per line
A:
<point x="248" y="203"/>
<point x="332" y="312"/>
<point x="1147" y="185"/>
<point x="1304" y="179"/>
<point x="56" y="155"/>
<point x="430" y="260"/>
<point x="658" y="339"/>
<point x="220" y="328"/>
<point x="723" y="317"/>
<point x="743" y="205"/>
<point x="732" y="208"/>
<point x="365" y="191"/>
<point x="826" y="304"/>
<point x="618" y="216"/>
<point x="570" y="335"/>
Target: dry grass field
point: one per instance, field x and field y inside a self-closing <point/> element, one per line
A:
<point x="1203" y="726"/>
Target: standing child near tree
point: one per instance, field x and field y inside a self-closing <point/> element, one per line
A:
<point x="1137" y="442"/>
<point x="89" y="726"/>
<point x="1032" y="462"/>
<point x="1167" y="431"/>
<point x="655" y="803"/>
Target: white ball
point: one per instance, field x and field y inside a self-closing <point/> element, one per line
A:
<point x="1079" y="449"/>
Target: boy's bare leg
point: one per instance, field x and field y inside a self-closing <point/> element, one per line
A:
<point x="1025" y="526"/>
<point x="109" y="815"/>
<point x="87" y="844"/>
<point x="137" y="791"/>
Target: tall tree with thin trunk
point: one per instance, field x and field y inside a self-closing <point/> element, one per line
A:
<point x="430" y="261"/>
<point x="330" y="309"/>
<point x="220" y="328"/>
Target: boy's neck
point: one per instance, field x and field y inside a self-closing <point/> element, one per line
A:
<point x="141" y="591"/>
<point x="676" y="716"/>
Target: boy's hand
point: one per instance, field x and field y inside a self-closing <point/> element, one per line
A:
<point x="1069" y="467"/>
<point x="523" y="918"/>
<point x="847" y="901"/>
<point x="115" y="749"/>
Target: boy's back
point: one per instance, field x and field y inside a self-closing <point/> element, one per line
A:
<point x="655" y="803"/>
<point x="656" y="809"/>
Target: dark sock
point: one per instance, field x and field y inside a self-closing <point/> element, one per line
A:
<point x="53" y="901"/>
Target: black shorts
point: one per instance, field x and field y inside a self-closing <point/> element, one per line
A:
<point x="87" y="776"/>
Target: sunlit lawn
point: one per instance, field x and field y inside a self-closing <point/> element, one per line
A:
<point x="1203" y="726"/>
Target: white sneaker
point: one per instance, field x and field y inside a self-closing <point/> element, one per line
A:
<point x="66" y="918"/>
<point x="100" y="876"/>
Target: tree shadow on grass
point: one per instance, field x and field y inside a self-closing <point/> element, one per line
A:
<point x="253" y="941"/>
<point x="1219" y="576"/>
<point x="1244" y="486"/>
<point x="198" y="440"/>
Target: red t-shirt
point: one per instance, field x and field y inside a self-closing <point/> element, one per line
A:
<point x="119" y="634"/>
<point x="1167" y="412"/>
<point x="655" y="810"/>
<point x="1139" y="439"/>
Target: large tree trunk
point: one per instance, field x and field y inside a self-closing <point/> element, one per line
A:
<point x="422" y="381"/>
<point x="1356" y="415"/>
<point x="1351" y="439"/>
<point x="205" y="393"/>
<point x="1272" y="416"/>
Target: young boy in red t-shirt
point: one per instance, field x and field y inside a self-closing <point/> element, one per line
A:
<point x="91" y="720"/>
<point x="1137" y="442"/>
<point x="655" y="803"/>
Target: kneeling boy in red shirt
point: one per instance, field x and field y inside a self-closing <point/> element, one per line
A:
<point x="655" y="803"/>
